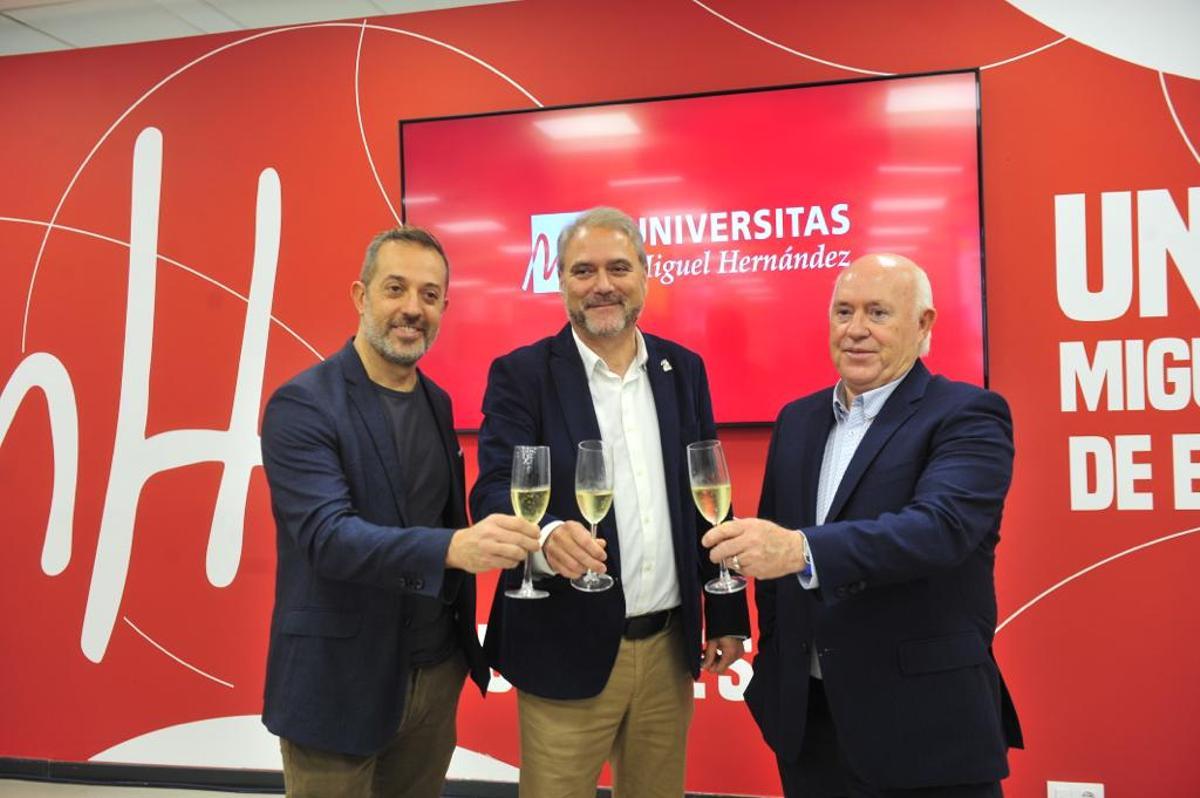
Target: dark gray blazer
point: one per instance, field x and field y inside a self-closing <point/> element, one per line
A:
<point x="337" y="668"/>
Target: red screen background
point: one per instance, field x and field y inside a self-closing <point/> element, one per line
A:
<point x="882" y="165"/>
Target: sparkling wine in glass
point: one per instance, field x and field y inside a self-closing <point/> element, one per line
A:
<point x="594" y="494"/>
<point x="711" y="490"/>
<point x="530" y="489"/>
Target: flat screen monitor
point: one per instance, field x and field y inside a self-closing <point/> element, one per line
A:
<point x="750" y="204"/>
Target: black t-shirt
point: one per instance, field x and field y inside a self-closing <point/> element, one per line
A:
<point x="425" y="475"/>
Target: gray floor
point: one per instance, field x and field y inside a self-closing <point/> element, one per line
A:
<point x="17" y="788"/>
<point x="10" y="788"/>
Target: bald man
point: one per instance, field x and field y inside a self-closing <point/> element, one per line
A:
<point x="874" y="552"/>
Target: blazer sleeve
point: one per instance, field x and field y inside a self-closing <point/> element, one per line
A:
<point x="314" y="505"/>
<point x="962" y="478"/>
<point x="511" y="413"/>
<point x="765" y="589"/>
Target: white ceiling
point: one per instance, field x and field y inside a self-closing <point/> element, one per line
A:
<point x="34" y="26"/>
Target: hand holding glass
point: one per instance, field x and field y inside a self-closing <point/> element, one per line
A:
<point x="712" y="492"/>
<point x="594" y="493"/>
<point x="530" y="488"/>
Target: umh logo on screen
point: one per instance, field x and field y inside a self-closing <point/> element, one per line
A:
<point x="542" y="274"/>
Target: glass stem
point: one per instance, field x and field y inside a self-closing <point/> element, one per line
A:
<point x="723" y="575"/>
<point x="590" y="576"/>
<point x="527" y="577"/>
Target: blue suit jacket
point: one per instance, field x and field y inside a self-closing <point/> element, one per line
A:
<point x="906" y="609"/>
<point x="337" y="669"/>
<point x="564" y="646"/>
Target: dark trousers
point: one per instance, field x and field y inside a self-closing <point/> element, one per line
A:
<point x="822" y="771"/>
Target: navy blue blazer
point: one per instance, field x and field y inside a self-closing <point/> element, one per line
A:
<point x="564" y="646"/>
<point x="337" y="669"/>
<point x="905" y="613"/>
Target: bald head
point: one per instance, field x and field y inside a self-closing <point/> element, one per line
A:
<point x="902" y="268"/>
<point x="880" y="320"/>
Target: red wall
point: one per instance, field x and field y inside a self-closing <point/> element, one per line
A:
<point x="1098" y="604"/>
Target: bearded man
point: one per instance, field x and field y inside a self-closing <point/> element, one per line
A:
<point x="606" y="675"/>
<point x="373" y="631"/>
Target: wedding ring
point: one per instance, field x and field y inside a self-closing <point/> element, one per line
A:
<point x="737" y="566"/>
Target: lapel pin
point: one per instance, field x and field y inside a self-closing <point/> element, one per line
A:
<point x="666" y="365"/>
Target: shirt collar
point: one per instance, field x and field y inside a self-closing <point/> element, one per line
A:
<point x="591" y="361"/>
<point x="872" y="401"/>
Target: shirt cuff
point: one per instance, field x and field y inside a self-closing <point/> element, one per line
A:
<point x="541" y="566"/>
<point x="808" y="577"/>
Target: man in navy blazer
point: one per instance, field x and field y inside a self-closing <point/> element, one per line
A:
<point x="874" y="552"/>
<point x="373" y="630"/>
<point x="606" y="675"/>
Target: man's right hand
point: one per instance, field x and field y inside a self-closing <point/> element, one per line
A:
<point x="498" y="541"/>
<point x="570" y="551"/>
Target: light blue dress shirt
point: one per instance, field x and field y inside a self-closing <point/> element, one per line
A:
<point x="850" y="425"/>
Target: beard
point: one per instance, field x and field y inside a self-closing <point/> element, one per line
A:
<point x="377" y="337"/>
<point x="579" y="318"/>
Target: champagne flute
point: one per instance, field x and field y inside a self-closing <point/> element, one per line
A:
<point x="594" y="494"/>
<point x="711" y="490"/>
<point x="530" y="490"/>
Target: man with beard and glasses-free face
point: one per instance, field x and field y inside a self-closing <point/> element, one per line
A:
<point x="373" y="631"/>
<point x="876" y="602"/>
<point x="606" y="675"/>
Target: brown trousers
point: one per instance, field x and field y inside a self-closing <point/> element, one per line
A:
<point x="639" y="722"/>
<point x="413" y="763"/>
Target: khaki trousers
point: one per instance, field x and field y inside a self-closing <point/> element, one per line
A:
<point x="639" y="722"/>
<point x="411" y="765"/>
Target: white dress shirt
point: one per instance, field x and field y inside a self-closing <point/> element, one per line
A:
<point x="628" y="420"/>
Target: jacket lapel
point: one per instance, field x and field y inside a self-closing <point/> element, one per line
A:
<point x="378" y="435"/>
<point x="445" y="426"/>
<point x="575" y="403"/>
<point x="666" y="406"/>
<point x="898" y="408"/>
<point x="571" y="384"/>
<point x="816" y="432"/>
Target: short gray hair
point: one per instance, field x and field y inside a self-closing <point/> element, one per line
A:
<point x="404" y="234"/>
<point x="607" y="219"/>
